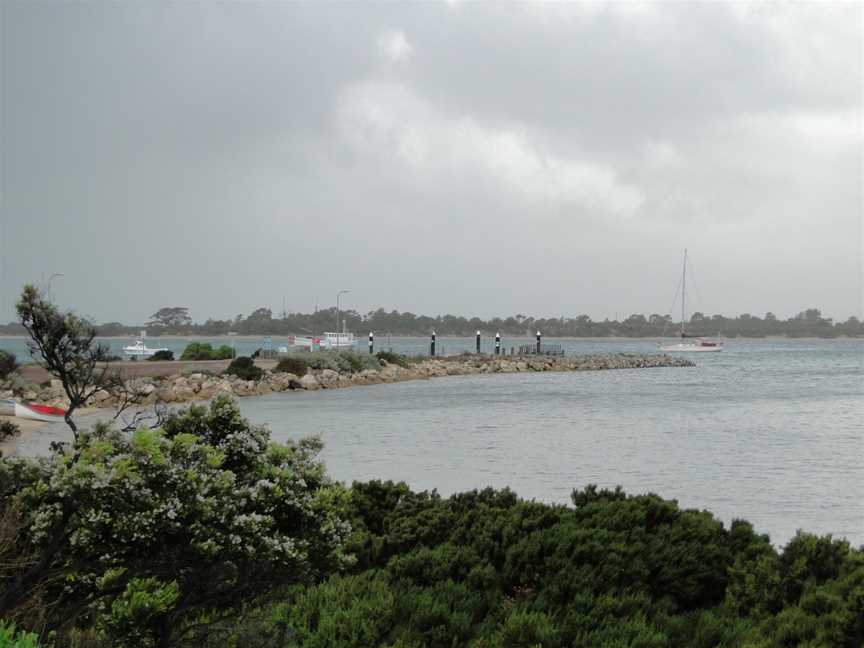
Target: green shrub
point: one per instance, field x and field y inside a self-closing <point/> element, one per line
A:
<point x="154" y="538"/>
<point x="10" y="639"/>
<point x="293" y="365"/>
<point x="198" y="351"/>
<point x="342" y="361"/>
<point x="8" y="429"/>
<point x="224" y="352"/>
<point x="392" y="358"/>
<point x="244" y="367"/>
<point x="165" y="354"/>
<point x="8" y="364"/>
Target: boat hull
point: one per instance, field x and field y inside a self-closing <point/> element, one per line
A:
<point x="691" y="348"/>
<point x="32" y="411"/>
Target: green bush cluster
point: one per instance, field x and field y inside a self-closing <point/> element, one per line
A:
<point x="9" y="638"/>
<point x="203" y="351"/>
<point x="342" y="361"/>
<point x="486" y="569"/>
<point x="164" y="354"/>
<point x="392" y="358"/>
<point x="244" y="367"/>
<point x="155" y="538"/>
<point x="293" y="365"/>
<point x="8" y="364"/>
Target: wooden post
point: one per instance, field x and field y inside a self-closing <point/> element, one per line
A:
<point x="538" y="342"/>
<point x="432" y="345"/>
<point x="497" y="344"/>
<point x="478" y="342"/>
<point x="371" y="343"/>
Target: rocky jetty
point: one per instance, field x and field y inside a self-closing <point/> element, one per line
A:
<point x="181" y="388"/>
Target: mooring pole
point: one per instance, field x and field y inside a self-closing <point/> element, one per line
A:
<point x="497" y="344"/>
<point x="538" y="342"/>
<point x="478" y="342"/>
<point x="432" y="345"/>
<point x="371" y="343"/>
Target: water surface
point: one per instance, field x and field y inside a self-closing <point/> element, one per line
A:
<point x="769" y="431"/>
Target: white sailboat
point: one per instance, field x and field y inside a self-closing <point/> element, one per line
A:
<point x="688" y="343"/>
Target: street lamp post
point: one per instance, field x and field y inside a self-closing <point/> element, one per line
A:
<point x="50" y="279"/>
<point x="338" y="295"/>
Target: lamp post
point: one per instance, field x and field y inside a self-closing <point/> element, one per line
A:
<point x="338" y="295"/>
<point x="50" y="279"/>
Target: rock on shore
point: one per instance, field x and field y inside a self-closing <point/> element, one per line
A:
<point x="179" y="388"/>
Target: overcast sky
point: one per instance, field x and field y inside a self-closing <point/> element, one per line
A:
<point x="475" y="159"/>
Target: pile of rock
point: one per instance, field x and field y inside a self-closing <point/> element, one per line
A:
<point x="202" y="386"/>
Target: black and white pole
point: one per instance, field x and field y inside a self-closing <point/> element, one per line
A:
<point x="432" y="345"/>
<point x="478" y="342"/>
<point x="497" y="344"/>
<point x="538" y="342"/>
<point x="371" y="343"/>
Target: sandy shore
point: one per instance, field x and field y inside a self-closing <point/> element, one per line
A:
<point x="36" y="437"/>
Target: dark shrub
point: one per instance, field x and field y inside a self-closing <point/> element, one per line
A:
<point x="293" y="365"/>
<point x="8" y="429"/>
<point x="244" y="368"/>
<point x="392" y="358"/>
<point x="8" y="363"/>
<point x="162" y="355"/>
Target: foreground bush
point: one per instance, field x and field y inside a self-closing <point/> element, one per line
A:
<point x="144" y="540"/>
<point x="486" y="569"/>
<point x="245" y="368"/>
<point x="9" y="638"/>
<point x="293" y="365"/>
<point x="8" y="364"/>
<point x="165" y="354"/>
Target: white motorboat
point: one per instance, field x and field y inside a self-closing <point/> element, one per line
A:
<point x="329" y="340"/>
<point x="32" y="411"/>
<point x="695" y="344"/>
<point x="140" y="350"/>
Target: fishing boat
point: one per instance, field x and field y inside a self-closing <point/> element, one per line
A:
<point x="32" y="411"/>
<point x="690" y="343"/>
<point x="140" y="350"/>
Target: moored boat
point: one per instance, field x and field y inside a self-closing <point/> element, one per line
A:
<point x="32" y="411"/>
<point x="695" y="344"/>
<point x="140" y="350"/>
<point x="327" y="341"/>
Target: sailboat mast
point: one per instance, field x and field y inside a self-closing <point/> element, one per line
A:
<point x="683" y="292"/>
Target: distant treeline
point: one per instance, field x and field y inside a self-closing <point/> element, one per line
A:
<point x="262" y="321"/>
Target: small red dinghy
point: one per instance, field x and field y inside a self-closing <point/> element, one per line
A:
<point x="32" y="411"/>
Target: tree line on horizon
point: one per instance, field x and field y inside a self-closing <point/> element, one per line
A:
<point x="176" y="320"/>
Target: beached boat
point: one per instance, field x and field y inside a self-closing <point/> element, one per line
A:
<point x="690" y="343"/>
<point x="140" y="350"/>
<point x="31" y="411"/>
<point x="335" y="341"/>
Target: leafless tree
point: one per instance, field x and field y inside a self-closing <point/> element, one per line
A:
<point x="67" y="346"/>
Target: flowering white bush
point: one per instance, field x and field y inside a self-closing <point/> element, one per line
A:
<point x="153" y="531"/>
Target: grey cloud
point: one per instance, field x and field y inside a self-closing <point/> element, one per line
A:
<point x="471" y="158"/>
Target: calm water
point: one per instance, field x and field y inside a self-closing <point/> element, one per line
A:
<point x="770" y="431"/>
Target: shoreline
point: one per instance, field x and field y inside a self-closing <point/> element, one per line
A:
<point x="196" y="386"/>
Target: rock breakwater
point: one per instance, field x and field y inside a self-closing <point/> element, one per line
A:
<point x="180" y="388"/>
